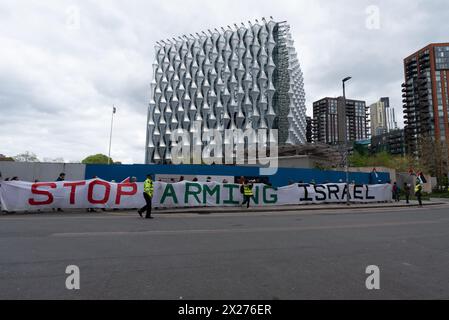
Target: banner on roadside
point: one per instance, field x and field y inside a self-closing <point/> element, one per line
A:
<point x="97" y="193"/>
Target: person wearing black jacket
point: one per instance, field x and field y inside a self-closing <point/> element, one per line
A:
<point x="407" y="191"/>
<point x="61" y="178"/>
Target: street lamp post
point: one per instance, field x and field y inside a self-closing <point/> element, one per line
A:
<point x="110" y="135"/>
<point x="346" y="148"/>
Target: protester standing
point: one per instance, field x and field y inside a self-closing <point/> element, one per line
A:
<point x="148" y="189"/>
<point x="247" y="192"/>
<point x="407" y="191"/>
<point x="418" y="191"/>
<point x="396" y="195"/>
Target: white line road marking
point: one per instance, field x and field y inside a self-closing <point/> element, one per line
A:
<point x="242" y="230"/>
<point x="406" y="264"/>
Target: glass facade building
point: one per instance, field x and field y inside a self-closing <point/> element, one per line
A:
<point x="243" y="77"/>
<point x="382" y="116"/>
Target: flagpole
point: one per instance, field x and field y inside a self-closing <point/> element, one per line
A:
<point x="110" y="135"/>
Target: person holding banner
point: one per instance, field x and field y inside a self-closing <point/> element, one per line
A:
<point x="60" y="178"/>
<point x="148" y="189"/>
<point x="247" y="192"/>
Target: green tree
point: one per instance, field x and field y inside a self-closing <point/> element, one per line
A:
<point x="5" y="158"/>
<point x="384" y="159"/>
<point x="433" y="155"/>
<point x="97" y="159"/>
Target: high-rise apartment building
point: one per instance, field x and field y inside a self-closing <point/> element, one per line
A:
<point x="383" y="118"/>
<point x="391" y="142"/>
<point x="309" y="129"/>
<point x="335" y="122"/>
<point x="247" y="76"/>
<point x="426" y="96"/>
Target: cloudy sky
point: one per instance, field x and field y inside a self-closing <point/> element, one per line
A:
<point x="63" y="64"/>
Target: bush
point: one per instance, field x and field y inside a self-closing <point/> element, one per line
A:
<point x="97" y="159"/>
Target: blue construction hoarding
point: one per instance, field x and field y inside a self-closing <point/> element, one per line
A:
<point x="281" y="178"/>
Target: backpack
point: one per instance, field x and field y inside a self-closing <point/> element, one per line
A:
<point x="242" y="190"/>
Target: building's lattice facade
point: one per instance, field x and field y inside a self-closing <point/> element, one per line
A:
<point x="247" y="77"/>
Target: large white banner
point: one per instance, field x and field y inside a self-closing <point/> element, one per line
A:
<point x="97" y="193"/>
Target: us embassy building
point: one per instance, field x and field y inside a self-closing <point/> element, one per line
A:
<point x="244" y="77"/>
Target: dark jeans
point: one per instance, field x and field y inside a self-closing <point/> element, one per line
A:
<point x="396" y="196"/>
<point x="246" y="200"/>
<point x="147" y="207"/>
<point x="418" y="196"/>
<point x="407" y="197"/>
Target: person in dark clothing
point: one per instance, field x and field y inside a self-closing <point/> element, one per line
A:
<point x="407" y="191"/>
<point x="396" y="195"/>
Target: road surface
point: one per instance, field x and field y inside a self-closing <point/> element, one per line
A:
<point x="271" y="255"/>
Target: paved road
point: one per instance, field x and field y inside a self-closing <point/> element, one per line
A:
<point x="277" y="255"/>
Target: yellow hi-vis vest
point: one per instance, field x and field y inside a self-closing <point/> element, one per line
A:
<point x="418" y="187"/>
<point x="247" y="190"/>
<point x="148" y="187"/>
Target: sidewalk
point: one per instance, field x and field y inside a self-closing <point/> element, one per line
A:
<point x="211" y="210"/>
<point x="304" y="207"/>
<point x="445" y="200"/>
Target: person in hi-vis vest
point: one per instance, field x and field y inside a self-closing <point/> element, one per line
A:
<point x="418" y="191"/>
<point x="247" y="192"/>
<point x="148" y="195"/>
